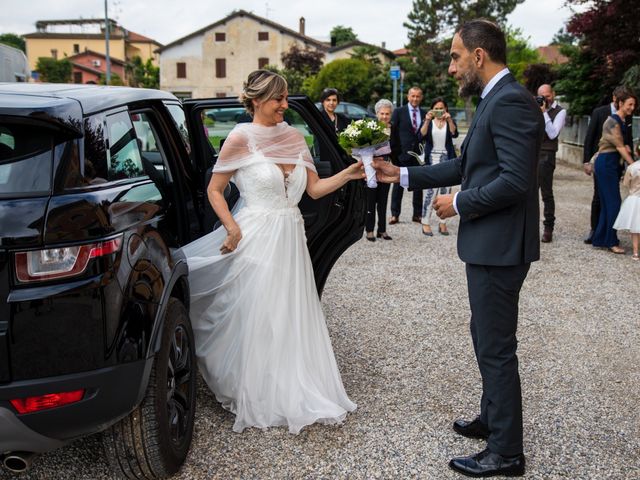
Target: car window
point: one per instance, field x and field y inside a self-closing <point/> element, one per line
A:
<point x="341" y="108"/>
<point x="152" y="155"/>
<point x="357" y="110"/>
<point x="123" y="155"/>
<point x="218" y="122"/>
<point x="26" y="154"/>
<point x="177" y="114"/>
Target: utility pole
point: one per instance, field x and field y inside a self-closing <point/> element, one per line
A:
<point x="106" y="37"/>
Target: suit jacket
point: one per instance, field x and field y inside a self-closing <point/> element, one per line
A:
<point x="497" y="170"/>
<point x="594" y="131"/>
<point x="403" y="139"/>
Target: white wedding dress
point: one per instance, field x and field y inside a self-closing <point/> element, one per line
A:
<point x="261" y="339"/>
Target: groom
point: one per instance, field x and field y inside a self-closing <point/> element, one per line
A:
<point x="498" y="233"/>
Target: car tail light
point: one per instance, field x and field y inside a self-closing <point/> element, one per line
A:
<point x="37" y="265"/>
<point x="45" y="402"/>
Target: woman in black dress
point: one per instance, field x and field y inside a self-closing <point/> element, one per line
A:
<point x="330" y="98"/>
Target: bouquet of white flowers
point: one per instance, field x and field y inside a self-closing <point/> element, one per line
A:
<point x="364" y="139"/>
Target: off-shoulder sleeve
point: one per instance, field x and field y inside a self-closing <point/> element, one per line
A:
<point x="234" y="152"/>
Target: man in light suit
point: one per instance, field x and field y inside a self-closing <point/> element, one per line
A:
<point x="498" y="236"/>
<point x="405" y="124"/>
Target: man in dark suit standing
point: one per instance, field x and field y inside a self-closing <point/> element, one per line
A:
<point x="498" y="236"/>
<point x="590" y="147"/>
<point x="405" y="123"/>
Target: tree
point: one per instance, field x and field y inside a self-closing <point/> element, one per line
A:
<point x="352" y="77"/>
<point x="13" y="40"/>
<point x="537" y="74"/>
<point x="519" y="53"/>
<point x="305" y="60"/>
<point x="54" y="71"/>
<point x="431" y="24"/>
<point x="608" y="46"/>
<point x="114" y="80"/>
<point x="145" y="75"/>
<point x="562" y="37"/>
<point x="341" y="35"/>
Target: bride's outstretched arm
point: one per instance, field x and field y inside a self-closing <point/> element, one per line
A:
<point x="215" y="193"/>
<point x="319" y="187"/>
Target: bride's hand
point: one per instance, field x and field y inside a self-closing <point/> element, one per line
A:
<point x="231" y="242"/>
<point x="355" y="171"/>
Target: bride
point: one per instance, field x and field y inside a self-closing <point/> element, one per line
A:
<point x="261" y="340"/>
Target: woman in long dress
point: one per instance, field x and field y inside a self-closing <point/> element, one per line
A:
<point x="261" y="338"/>
<point x="606" y="169"/>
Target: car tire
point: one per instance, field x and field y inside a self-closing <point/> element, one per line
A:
<point x="153" y="440"/>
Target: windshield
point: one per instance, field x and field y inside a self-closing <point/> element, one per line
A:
<point x="26" y="154"/>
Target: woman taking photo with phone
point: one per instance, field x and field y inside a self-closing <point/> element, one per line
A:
<point x="437" y="132"/>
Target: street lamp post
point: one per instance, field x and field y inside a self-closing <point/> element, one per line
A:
<point x="106" y="37"/>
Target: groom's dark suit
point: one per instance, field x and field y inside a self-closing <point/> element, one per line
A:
<point x="497" y="239"/>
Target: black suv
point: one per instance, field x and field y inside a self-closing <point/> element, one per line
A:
<point x="99" y="189"/>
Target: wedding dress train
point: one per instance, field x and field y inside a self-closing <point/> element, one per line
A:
<point x="261" y="339"/>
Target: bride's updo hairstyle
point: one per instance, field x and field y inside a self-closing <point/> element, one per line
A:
<point x="262" y="85"/>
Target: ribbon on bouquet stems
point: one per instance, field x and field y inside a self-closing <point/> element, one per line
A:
<point x="366" y="154"/>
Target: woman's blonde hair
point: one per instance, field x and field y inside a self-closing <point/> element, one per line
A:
<point x="262" y="85"/>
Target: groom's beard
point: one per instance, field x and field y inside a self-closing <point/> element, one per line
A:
<point x="470" y="84"/>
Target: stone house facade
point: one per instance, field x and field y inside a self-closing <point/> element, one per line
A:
<point x="215" y="60"/>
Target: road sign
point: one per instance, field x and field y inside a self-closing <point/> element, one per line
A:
<point x="394" y="72"/>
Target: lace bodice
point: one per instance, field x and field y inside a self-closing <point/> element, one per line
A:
<point x="262" y="184"/>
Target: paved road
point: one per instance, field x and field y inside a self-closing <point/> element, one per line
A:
<point x="398" y="316"/>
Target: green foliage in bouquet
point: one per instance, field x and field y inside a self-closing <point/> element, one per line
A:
<point x="366" y="132"/>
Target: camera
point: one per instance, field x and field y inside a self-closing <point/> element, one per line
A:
<point x="541" y="100"/>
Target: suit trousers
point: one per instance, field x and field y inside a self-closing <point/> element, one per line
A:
<point x="494" y="292"/>
<point x="546" y="167"/>
<point x="396" y="201"/>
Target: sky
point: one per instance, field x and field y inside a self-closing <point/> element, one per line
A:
<point x="373" y="21"/>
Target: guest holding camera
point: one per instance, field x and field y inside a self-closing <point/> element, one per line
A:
<point x="554" y="118"/>
<point x="437" y="131"/>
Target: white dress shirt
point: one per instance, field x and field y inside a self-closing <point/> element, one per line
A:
<point x="553" y="127"/>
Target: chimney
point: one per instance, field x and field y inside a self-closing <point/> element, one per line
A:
<point x="384" y="45"/>
<point x="301" y="29"/>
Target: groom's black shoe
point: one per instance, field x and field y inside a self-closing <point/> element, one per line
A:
<point x="472" y="429"/>
<point x="489" y="464"/>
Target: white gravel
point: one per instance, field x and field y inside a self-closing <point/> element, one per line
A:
<point x="398" y="316"/>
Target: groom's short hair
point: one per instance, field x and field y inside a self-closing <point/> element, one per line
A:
<point x="485" y="34"/>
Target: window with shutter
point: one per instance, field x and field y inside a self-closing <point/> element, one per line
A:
<point x="263" y="62"/>
<point x="263" y="36"/>
<point x="181" y="70"/>
<point x="221" y="67"/>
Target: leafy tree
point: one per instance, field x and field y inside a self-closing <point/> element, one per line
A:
<point x="431" y="24"/>
<point x="114" y="80"/>
<point x="576" y="82"/>
<point x="54" y="71"/>
<point x="519" y="53"/>
<point x="537" y="74"/>
<point x="304" y="60"/>
<point x="341" y="35"/>
<point x="608" y="46"/>
<point x="13" y="40"/>
<point x="352" y="77"/>
<point x="367" y="53"/>
<point x="562" y="37"/>
<point x="632" y="78"/>
<point x="141" y="74"/>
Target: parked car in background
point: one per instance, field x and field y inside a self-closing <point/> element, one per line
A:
<point x="352" y="111"/>
<point x="100" y="187"/>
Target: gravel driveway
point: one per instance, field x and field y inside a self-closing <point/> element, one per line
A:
<point x="398" y="316"/>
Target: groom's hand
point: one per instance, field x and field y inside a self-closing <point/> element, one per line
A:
<point x="443" y="205"/>
<point x="385" y="171"/>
